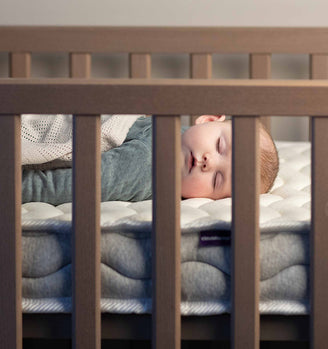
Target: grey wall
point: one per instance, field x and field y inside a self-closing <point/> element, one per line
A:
<point x="173" y="13"/>
<point x="166" y="12"/>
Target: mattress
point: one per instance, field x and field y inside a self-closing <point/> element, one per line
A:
<point x="205" y="249"/>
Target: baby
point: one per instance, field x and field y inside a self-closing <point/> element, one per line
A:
<point x="206" y="159"/>
<point x="126" y="170"/>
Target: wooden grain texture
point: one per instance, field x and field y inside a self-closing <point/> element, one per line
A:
<point x="245" y="319"/>
<point x="20" y="65"/>
<point x="319" y="236"/>
<point x="164" y="96"/>
<point x="140" y="65"/>
<point x="86" y="281"/>
<point x="318" y="70"/>
<point x="163" y="39"/>
<point x="260" y="68"/>
<point x="10" y="247"/>
<point x="166" y="278"/>
<point x="200" y="68"/>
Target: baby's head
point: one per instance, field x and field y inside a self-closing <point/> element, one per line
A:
<point x="206" y="159"/>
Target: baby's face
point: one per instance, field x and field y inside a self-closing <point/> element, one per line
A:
<point x="206" y="160"/>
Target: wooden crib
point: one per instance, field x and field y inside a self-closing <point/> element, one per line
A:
<point x="87" y="98"/>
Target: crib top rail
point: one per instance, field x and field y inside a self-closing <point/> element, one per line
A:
<point x="163" y="39"/>
<point x="164" y="96"/>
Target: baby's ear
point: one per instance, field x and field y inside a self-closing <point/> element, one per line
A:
<point x="208" y="118"/>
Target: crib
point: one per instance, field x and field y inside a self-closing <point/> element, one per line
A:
<point x="86" y="98"/>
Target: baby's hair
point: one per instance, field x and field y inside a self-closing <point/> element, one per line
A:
<point x="269" y="161"/>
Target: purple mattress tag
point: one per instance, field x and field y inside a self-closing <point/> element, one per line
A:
<point x="209" y="238"/>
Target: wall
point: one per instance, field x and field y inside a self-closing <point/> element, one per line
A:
<point x="174" y="13"/>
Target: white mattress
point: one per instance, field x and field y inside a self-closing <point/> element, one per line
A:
<point x="285" y="210"/>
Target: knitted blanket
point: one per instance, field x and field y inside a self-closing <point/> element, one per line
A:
<point x="47" y="139"/>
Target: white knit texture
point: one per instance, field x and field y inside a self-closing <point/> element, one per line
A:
<point x="47" y="138"/>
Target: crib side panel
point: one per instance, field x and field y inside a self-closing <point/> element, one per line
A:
<point x="245" y="306"/>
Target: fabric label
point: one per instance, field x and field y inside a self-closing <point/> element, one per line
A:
<point x="214" y="238"/>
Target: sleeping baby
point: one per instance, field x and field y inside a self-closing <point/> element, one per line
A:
<point x="126" y="169"/>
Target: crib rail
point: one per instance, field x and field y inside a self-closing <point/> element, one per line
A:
<point x="164" y="39"/>
<point x="244" y="100"/>
<point x="141" y="42"/>
<point x="165" y="96"/>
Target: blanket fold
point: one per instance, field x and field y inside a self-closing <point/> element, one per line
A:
<point x="47" y="139"/>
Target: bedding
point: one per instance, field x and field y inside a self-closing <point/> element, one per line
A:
<point x="48" y="138"/>
<point x="119" y="181"/>
<point x="205" y="249"/>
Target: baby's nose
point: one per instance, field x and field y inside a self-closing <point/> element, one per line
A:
<point x="206" y="162"/>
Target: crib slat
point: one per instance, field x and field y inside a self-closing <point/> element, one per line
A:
<point x="10" y="246"/>
<point x="200" y="68"/>
<point x="86" y="236"/>
<point x="86" y="288"/>
<point x="319" y="236"/>
<point x="80" y="65"/>
<point x="318" y="70"/>
<point x="260" y="68"/>
<point x="140" y="65"/>
<point x="20" y="65"/>
<point x="166" y="277"/>
<point x="319" y="66"/>
<point x="10" y="216"/>
<point x="245" y="234"/>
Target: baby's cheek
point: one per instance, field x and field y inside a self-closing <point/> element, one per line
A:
<point x="193" y="188"/>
